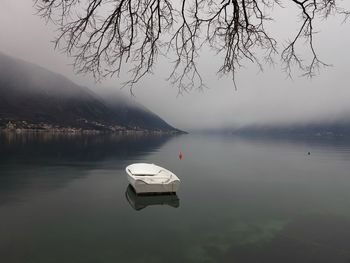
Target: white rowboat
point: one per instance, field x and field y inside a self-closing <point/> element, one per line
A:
<point x="151" y="178"/>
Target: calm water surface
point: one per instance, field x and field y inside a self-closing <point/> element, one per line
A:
<point x="66" y="199"/>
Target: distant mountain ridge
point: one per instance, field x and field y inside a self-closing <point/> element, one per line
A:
<point x="33" y="97"/>
<point x="338" y="128"/>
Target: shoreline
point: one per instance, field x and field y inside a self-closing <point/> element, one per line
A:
<point x="94" y="128"/>
<point x="70" y="131"/>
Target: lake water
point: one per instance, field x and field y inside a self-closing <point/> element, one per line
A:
<point x="66" y="199"/>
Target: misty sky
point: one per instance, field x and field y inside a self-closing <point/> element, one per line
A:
<point x="261" y="98"/>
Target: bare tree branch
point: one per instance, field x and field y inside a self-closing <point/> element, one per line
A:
<point x="105" y="35"/>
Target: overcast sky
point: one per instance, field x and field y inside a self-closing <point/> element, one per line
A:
<point x="261" y="98"/>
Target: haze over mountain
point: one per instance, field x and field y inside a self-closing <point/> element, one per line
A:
<point x="268" y="98"/>
<point x="335" y="128"/>
<point x="30" y="94"/>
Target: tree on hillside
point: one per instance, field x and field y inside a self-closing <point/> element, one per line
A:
<point x="104" y="35"/>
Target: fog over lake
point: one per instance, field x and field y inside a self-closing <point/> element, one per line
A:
<point x="262" y="98"/>
<point x="264" y="169"/>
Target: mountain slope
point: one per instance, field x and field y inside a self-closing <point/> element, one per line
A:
<point x="130" y="112"/>
<point x="35" y="95"/>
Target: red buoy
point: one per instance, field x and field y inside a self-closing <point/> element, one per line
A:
<point x="180" y="155"/>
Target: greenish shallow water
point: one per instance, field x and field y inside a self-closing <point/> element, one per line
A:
<point x="66" y="199"/>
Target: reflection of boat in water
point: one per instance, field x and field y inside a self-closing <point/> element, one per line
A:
<point x="139" y="202"/>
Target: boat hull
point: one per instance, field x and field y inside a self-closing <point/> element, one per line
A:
<point x="142" y="187"/>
